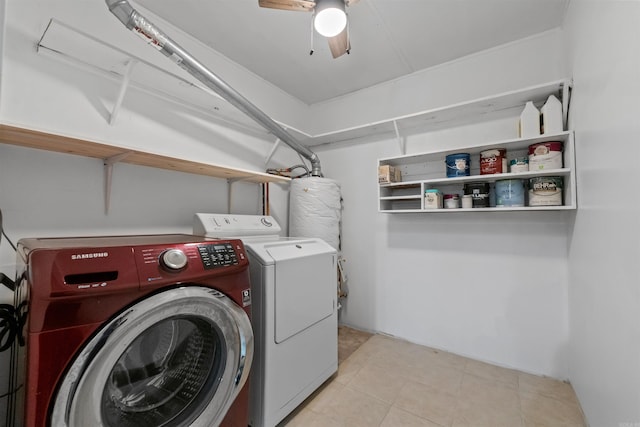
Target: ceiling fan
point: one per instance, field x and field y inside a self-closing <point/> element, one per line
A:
<point x="329" y="18"/>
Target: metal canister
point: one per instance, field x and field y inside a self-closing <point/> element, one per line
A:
<point x="493" y="161"/>
<point x="545" y="156"/>
<point x="519" y="164"/>
<point x="451" y="201"/>
<point x="458" y="164"/>
<point x="545" y="191"/>
<point x="509" y="193"/>
<point x="479" y="191"/>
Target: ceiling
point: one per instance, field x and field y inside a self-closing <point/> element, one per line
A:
<point x="389" y="38"/>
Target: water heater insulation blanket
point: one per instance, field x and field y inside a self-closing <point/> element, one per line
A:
<point x="315" y="209"/>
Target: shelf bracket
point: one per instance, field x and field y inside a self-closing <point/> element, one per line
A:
<point x="566" y="93"/>
<point x="265" y="198"/>
<point x="401" y="142"/>
<point x="108" y="173"/>
<point x="272" y="152"/>
<point x="230" y="182"/>
<point x="123" y="90"/>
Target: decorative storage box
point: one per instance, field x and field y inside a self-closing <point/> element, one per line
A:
<point x="388" y="174"/>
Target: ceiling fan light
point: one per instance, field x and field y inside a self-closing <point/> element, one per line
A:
<point x="330" y="17"/>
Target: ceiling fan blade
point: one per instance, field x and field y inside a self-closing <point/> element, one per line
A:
<point x="296" y="5"/>
<point x="340" y="44"/>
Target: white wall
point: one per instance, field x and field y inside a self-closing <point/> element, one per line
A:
<point x="603" y="43"/>
<point x="491" y="286"/>
<point x="3" y="4"/>
<point x="504" y="68"/>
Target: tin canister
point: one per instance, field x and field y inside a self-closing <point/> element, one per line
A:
<point x="545" y="191"/>
<point x="451" y="201"/>
<point x="493" y="161"/>
<point x="545" y="156"/>
<point x="519" y="164"/>
<point x="458" y="164"/>
<point x="509" y="193"/>
<point x="432" y="199"/>
<point x="479" y="192"/>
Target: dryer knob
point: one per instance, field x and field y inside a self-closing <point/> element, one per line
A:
<point x="173" y="259"/>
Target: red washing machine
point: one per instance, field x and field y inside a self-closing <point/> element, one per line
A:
<point x="132" y="331"/>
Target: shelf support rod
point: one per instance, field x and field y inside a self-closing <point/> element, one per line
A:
<point x="272" y="152"/>
<point x="108" y="174"/>
<point x="403" y="147"/>
<point x="140" y="25"/>
<point x="123" y="90"/>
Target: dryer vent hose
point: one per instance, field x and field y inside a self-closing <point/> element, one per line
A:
<point x="140" y="25"/>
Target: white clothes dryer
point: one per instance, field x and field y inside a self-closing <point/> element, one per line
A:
<point x="294" y="312"/>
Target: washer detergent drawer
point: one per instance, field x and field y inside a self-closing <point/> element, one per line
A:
<point x="305" y="285"/>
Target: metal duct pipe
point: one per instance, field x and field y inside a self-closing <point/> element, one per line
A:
<point x="134" y="21"/>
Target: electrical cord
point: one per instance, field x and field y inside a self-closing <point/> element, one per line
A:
<point x="2" y="233"/>
<point x="4" y="279"/>
<point x="12" y="318"/>
<point x="12" y="321"/>
<point x="8" y="240"/>
<point x="9" y="393"/>
<point x="8" y="326"/>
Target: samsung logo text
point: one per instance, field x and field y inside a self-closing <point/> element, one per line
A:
<point x="90" y="256"/>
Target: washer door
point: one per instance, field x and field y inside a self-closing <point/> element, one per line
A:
<point x="176" y="358"/>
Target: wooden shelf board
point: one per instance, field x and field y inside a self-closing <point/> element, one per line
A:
<point x="401" y="185"/>
<point x="64" y="144"/>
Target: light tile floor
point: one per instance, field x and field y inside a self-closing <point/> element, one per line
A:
<point x="390" y="382"/>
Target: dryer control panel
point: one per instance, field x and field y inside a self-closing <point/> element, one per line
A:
<point x="226" y="226"/>
<point x="216" y="255"/>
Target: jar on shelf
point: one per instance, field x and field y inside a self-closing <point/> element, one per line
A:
<point x="451" y="201"/>
<point x="432" y="199"/>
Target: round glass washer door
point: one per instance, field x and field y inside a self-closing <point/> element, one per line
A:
<point x="177" y="358"/>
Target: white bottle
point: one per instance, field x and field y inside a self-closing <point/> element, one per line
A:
<point x="529" y="121"/>
<point x="552" y="116"/>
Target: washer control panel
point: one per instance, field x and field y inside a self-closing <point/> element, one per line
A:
<point x="173" y="259"/>
<point x="217" y="255"/>
<point x="188" y="261"/>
